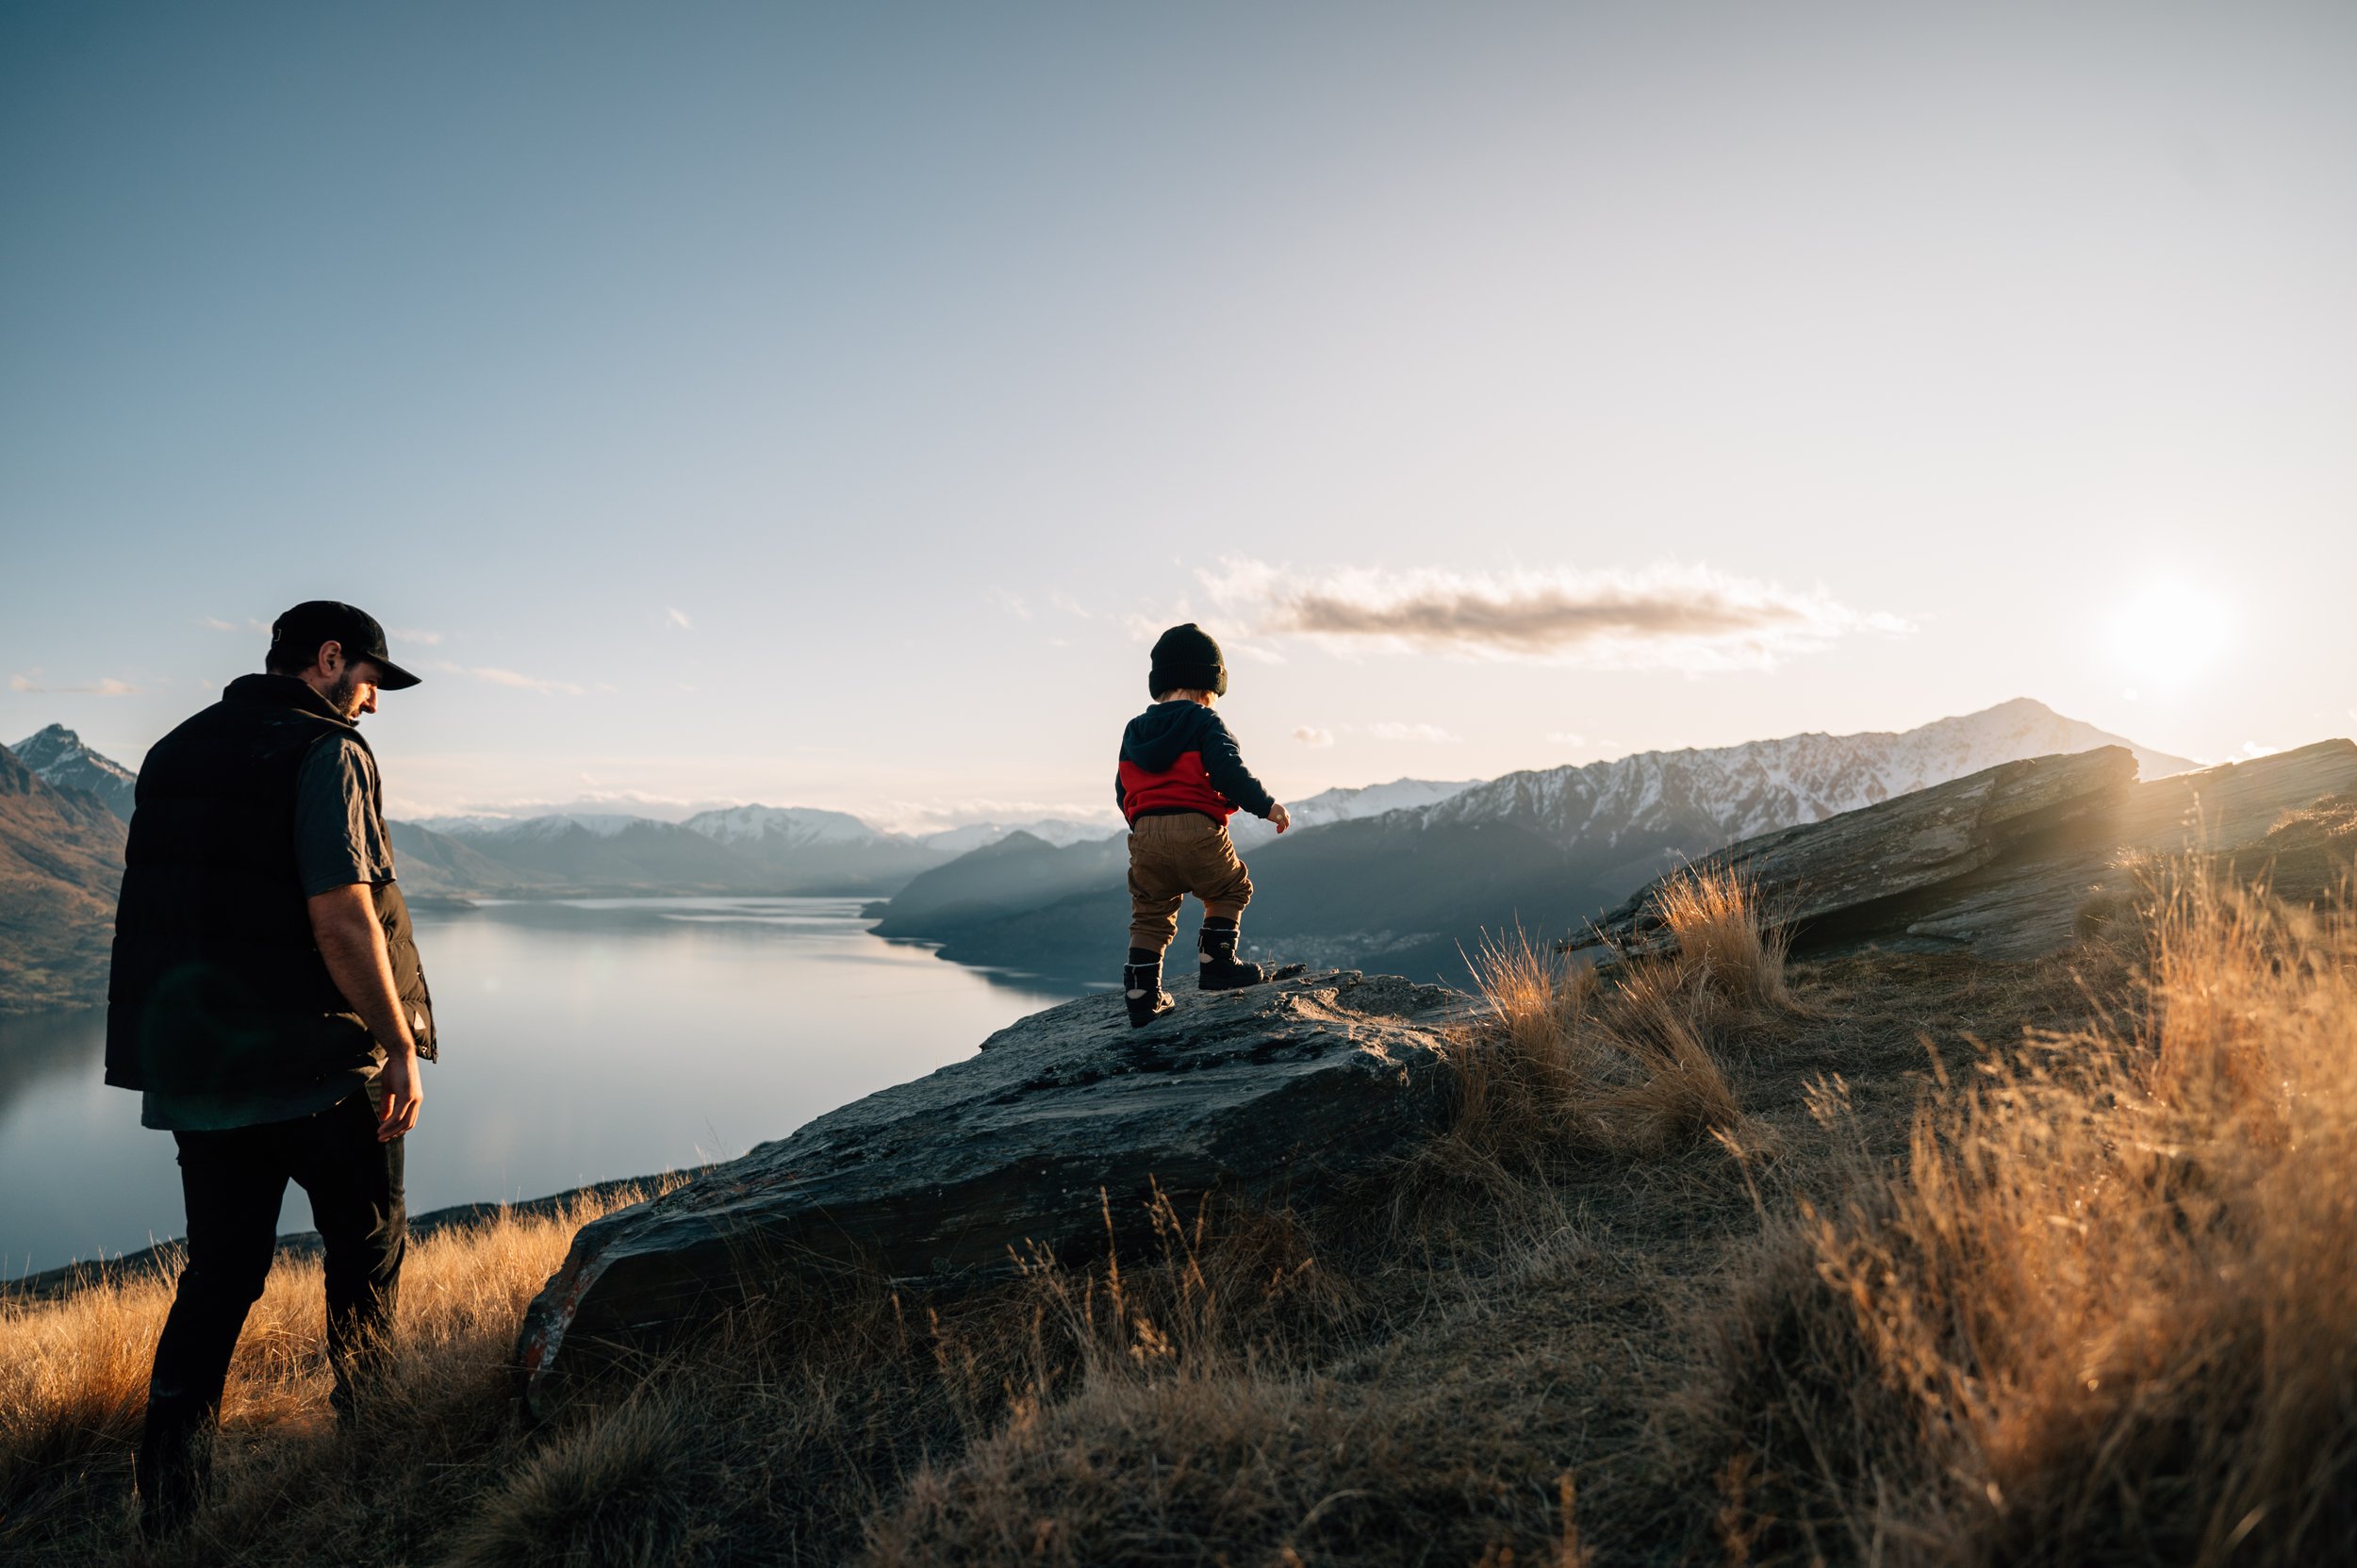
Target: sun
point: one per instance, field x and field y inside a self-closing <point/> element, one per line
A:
<point x="2169" y="633"/>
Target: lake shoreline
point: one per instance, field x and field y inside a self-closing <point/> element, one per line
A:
<point x="163" y="1257"/>
<point x="584" y="1043"/>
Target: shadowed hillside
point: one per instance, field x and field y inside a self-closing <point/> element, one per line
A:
<point x="60" y="867"/>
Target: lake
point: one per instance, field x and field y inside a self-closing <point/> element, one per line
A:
<point x="582" y="1040"/>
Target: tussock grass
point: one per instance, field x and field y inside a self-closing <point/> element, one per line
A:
<point x="1730" y="950"/>
<point x="1632" y="1063"/>
<point x="2103" y="1312"/>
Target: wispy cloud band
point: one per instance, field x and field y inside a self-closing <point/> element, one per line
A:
<point x="1668" y="616"/>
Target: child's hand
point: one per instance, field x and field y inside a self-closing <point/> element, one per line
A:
<point x="1281" y="816"/>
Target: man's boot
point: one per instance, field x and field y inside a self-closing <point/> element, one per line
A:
<point x="171" y="1466"/>
<point x="1142" y="987"/>
<point x="1221" y="972"/>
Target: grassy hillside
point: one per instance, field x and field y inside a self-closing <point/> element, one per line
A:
<point x="1876" y="1259"/>
<point x="60" y="868"/>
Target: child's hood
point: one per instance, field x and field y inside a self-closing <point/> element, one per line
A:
<point x="1157" y="738"/>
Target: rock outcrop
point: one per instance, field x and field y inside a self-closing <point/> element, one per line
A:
<point x="2002" y="863"/>
<point x="1276" y="1094"/>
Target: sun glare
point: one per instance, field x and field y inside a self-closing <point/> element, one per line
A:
<point x="2169" y="633"/>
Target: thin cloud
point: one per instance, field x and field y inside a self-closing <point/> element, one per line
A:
<point x="431" y="639"/>
<point x="1313" y="737"/>
<point x="1429" y="735"/>
<point x="515" y="680"/>
<point x="106" y="686"/>
<point x="676" y="616"/>
<point x="214" y="623"/>
<point x="1668" y="615"/>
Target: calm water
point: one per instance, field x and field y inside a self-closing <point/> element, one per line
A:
<point x="581" y="1041"/>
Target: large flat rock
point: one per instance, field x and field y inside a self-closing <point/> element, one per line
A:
<point x="1274" y="1094"/>
<point x="2003" y="862"/>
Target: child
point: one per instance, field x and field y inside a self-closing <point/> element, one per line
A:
<point x="1181" y="777"/>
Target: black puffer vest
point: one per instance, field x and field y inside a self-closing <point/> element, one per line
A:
<point x="218" y="986"/>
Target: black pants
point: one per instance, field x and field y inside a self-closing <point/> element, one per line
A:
<point x="234" y="1181"/>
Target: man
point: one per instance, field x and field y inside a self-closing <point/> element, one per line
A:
<point x="268" y="1003"/>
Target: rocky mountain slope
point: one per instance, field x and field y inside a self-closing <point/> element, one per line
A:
<point x="1415" y="889"/>
<point x="59" y="756"/>
<point x="60" y="868"/>
<point x="1667" y="800"/>
<point x="2012" y="862"/>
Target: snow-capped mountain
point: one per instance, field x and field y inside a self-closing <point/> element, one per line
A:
<point x="62" y="762"/>
<point x="1349" y="805"/>
<point x="735" y="849"/>
<point x="1057" y="831"/>
<point x="1733" y="792"/>
<point x="556" y="825"/>
<point x="785" y="827"/>
<point x="1341" y="805"/>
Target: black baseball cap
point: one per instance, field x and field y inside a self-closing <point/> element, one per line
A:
<point x="297" y="636"/>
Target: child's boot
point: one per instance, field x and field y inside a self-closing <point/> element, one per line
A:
<point x="1142" y="987"/>
<point x="1221" y="972"/>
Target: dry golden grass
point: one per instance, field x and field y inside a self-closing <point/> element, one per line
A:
<point x="1627" y="1063"/>
<point x="2082" y="1298"/>
<point x="1193" y="1422"/>
<point x="2104" y="1312"/>
<point x="73" y="1382"/>
<point x="1730" y="951"/>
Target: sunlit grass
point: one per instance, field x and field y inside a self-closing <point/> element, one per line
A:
<point x="2104" y="1312"/>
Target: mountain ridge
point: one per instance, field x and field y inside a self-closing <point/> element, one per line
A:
<point x="63" y="761"/>
<point x="60" y="868"/>
<point x="1419" y="887"/>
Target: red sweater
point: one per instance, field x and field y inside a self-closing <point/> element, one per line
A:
<point x="1178" y="756"/>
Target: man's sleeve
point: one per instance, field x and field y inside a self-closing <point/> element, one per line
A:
<point x="337" y="838"/>
<point x="1224" y="762"/>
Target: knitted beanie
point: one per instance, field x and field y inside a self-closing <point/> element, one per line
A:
<point x="1185" y="657"/>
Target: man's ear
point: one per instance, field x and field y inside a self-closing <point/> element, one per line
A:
<point x="331" y="653"/>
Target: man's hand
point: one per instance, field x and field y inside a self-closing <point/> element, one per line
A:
<point x="1280" y="817"/>
<point x="403" y="1093"/>
<point x="343" y="922"/>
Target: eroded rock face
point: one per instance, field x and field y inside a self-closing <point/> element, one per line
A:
<point x="1274" y="1093"/>
<point x="2000" y="863"/>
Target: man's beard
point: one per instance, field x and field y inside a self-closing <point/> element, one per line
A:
<point x="344" y="697"/>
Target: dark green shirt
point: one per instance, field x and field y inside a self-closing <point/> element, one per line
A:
<point x="338" y="841"/>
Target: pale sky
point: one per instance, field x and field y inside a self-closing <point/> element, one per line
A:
<point x="826" y="406"/>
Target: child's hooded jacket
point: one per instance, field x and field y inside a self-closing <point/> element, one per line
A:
<point x="1178" y="756"/>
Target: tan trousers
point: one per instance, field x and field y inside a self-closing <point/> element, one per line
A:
<point x="1172" y="856"/>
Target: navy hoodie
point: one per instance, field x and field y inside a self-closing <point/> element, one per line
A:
<point x="1178" y="756"/>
